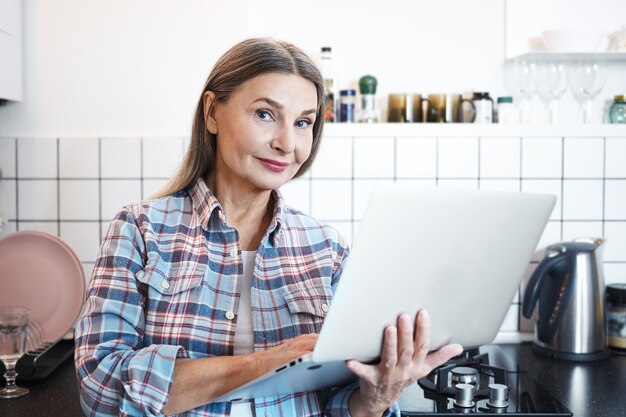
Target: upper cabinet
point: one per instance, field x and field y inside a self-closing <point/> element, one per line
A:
<point x="11" y="50"/>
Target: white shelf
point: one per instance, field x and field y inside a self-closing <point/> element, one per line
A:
<point x="571" y="56"/>
<point x="417" y="130"/>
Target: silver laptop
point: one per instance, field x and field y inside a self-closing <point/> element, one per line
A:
<point x="460" y="254"/>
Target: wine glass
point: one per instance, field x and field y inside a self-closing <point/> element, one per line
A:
<point x="13" y="331"/>
<point x="551" y="85"/>
<point x="520" y="77"/>
<point x="587" y="80"/>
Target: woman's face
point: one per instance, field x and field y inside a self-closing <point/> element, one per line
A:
<point x="264" y="131"/>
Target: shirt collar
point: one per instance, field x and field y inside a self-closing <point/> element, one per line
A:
<point x="205" y="203"/>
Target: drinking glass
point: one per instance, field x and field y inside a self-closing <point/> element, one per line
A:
<point x="520" y="77"/>
<point x="587" y="80"/>
<point x="551" y="85"/>
<point x="13" y="331"/>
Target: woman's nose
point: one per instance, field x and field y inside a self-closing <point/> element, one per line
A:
<point x="284" y="139"/>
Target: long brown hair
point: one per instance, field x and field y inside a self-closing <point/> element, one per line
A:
<point x="239" y="64"/>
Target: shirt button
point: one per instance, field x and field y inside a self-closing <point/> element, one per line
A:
<point x="325" y="308"/>
<point x="234" y="252"/>
<point x="230" y="315"/>
<point x="165" y="285"/>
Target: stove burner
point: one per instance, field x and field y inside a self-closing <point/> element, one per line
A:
<point x="469" y="367"/>
<point x="464" y="375"/>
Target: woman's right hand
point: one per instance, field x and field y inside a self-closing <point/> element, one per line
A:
<point x="291" y="349"/>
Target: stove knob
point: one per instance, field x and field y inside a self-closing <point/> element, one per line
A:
<point x="498" y="396"/>
<point x="464" y="395"/>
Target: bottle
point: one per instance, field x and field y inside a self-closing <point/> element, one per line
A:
<point x="367" y="88"/>
<point x="330" y="85"/>
<point x="617" y="111"/>
<point x="505" y="112"/>
<point x="347" y="105"/>
<point x="484" y="108"/>
<point x="616" y="317"/>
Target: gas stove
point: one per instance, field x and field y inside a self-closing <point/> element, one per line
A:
<point x="480" y="381"/>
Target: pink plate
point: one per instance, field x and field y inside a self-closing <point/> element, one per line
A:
<point x="40" y="271"/>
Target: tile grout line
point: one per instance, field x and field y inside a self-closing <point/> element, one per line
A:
<point x="100" y="189"/>
<point x="17" y="196"/>
<point x="58" y="146"/>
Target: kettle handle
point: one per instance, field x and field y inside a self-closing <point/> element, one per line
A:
<point x="537" y="279"/>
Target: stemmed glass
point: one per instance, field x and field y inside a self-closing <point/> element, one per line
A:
<point x="587" y="79"/>
<point x="520" y="76"/>
<point x="13" y="332"/>
<point x="551" y="85"/>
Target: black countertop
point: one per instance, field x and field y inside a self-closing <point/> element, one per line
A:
<point x="594" y="389"/>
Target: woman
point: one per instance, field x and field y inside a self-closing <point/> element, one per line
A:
<point x="215" y="282"/>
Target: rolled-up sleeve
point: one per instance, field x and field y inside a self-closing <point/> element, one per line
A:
<point x="117" y="374"/>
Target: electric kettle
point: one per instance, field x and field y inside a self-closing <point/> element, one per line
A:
<point x="568" y="286"/>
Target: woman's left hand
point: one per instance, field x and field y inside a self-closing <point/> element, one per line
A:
<point x="404" y="359"/>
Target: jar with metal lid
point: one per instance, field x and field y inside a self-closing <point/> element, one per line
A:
<point x="616" y="317"/>
<point x="347" y="104"/>
<point x="617" y="111"/>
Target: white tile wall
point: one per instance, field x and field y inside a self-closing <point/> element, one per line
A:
<point x="161" y="156"/>
<point x="374" y="158"/>
<point x="120" y="157"/>
<point x="79" y="158"/>
<point x="79" y="199"/>
<point x="500" y="158"/>
<point x="542" y="157"/>
<point x="615" y="157"/>
<point x="7" y="157"/>
<point x="96" y="177"/>
<point x="37" y="199"/>
<point x="37" y="158"/>
<point x="416" y="157"/>
<point x="117" y="194"/>
<point x="458" y="158"/>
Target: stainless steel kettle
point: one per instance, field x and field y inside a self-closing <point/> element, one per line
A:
<point x="568" y="285"/>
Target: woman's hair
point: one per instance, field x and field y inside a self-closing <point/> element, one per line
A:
<point x="244" y="61"/>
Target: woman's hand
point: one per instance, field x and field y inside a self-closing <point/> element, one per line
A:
<point x="403" y="361"/>
<point x="291" y="349"/>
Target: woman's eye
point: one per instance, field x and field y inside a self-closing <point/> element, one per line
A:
<point x="303" y="123"/>
<point x="264" y="115"/>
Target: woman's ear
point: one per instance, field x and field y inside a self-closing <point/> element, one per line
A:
<point x="209" y="101"/>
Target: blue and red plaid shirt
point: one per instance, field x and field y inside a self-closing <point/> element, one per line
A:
<point x="165" y="287"/>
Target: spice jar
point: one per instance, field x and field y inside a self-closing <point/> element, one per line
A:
<point x="484" y="107"/>
<point x="617" y="111"/>
<point x="616" y="317"/>
<point x="347" y="105"/>
<point x="505" y="113"/>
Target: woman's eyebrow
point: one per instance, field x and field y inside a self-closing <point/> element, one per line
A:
<point x="279" y="106"/>
<point x="271" y="102"/>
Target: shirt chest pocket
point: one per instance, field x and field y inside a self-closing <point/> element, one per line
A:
<point x="165" y="279"/>
<point x="308" y="304"/>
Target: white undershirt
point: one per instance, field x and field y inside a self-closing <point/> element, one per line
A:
<point x="244" y="338"/>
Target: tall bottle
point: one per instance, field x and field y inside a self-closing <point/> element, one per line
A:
<point x="330" y="85"/>
<point x="367" y="88"/>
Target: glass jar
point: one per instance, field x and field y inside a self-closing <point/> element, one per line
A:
<point x="347" y="103"/>
<point x="616" y="317"/>
<point x="484" y="108"/>
<point x="617" y="111"/>
<point x="505" y="112"/>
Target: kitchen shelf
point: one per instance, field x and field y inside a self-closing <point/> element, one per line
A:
<point x="418" y="130"/>
<point x="571" y="56"/>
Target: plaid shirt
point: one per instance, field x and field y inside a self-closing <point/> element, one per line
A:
<point x="165" y="287"/>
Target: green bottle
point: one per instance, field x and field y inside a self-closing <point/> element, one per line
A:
<point x="367" y="88"/>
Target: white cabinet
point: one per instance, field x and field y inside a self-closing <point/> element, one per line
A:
<point x="11" y="50"/>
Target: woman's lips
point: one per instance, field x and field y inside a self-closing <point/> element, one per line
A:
<point x="275" y="166"/>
